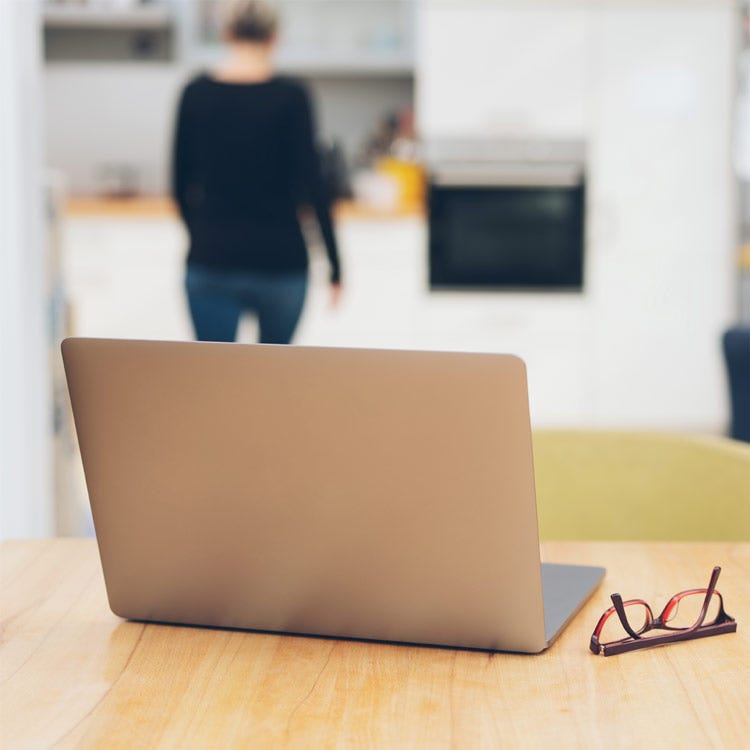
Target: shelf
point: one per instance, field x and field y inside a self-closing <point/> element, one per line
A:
<point x="144" y="17"/>
<point x="108" y="34"/>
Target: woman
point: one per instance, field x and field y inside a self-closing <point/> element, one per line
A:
<point x="244" y="161"/>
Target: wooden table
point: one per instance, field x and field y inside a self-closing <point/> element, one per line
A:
<point x="74" y="675"/>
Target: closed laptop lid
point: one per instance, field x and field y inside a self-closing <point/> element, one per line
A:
<point x="342" y="492"/>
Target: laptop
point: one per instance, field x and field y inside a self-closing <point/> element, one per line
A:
<point x="352" y="493"/>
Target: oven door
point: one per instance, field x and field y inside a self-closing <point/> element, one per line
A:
<point x="511" y="228"/>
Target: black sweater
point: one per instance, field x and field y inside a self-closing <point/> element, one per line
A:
<point x="244" y="161"/>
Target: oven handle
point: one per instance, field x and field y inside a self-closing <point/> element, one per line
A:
<point x="507" y="179"/>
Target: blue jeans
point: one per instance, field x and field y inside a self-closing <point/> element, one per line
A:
<point x="217" y="299"/>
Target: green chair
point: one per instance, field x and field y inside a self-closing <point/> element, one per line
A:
<point x="641" y="485"/>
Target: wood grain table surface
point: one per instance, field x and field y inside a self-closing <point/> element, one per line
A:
<point x="75" y="675"/>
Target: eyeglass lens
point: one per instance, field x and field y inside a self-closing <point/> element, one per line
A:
<point x="683" y="610"/>
<point x="639" y="617"/>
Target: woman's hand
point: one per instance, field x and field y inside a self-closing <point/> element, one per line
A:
<point x="335" y="295"/>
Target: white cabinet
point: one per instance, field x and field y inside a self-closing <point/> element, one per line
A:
<point x="661" y="257"/>
<point x="347" y="36"/>
<point x="323" y="37"/>
<point x="503" y="68"/>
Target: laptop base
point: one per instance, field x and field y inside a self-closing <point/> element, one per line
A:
<point x="565" y="590"/>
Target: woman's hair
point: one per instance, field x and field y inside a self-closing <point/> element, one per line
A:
<point x="250" y="20"/>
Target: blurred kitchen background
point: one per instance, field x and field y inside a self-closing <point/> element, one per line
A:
<point x="566" y="180"/>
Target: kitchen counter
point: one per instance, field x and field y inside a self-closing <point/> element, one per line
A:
<point x="156" y="206"/>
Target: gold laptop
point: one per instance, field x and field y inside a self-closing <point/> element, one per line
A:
<point x="352" y="493"/>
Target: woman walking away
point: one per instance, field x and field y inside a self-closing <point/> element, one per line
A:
<point x="244" y="162"/>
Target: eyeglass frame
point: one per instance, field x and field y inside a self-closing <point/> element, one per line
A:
<point x="723" y="623"/>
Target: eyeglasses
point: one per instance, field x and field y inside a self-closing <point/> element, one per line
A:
<point x="697" y="613"/>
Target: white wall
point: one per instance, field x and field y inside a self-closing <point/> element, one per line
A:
<point x="25" y="421"/>
<point x="110" y="113"/>
<point x="649" y="87"/>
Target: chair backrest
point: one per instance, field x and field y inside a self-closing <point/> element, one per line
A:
<point x="641" y="485"/>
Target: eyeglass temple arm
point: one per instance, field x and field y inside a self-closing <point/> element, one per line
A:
<point x="620" y="609"/>
<point x="706" y="602"/>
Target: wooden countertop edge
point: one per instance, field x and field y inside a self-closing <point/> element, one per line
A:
<point x="163" y="207"/>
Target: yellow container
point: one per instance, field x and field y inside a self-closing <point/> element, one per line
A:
<point x="410" y="178"/>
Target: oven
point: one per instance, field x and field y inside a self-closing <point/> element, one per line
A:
<point x="507" y="216"/>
